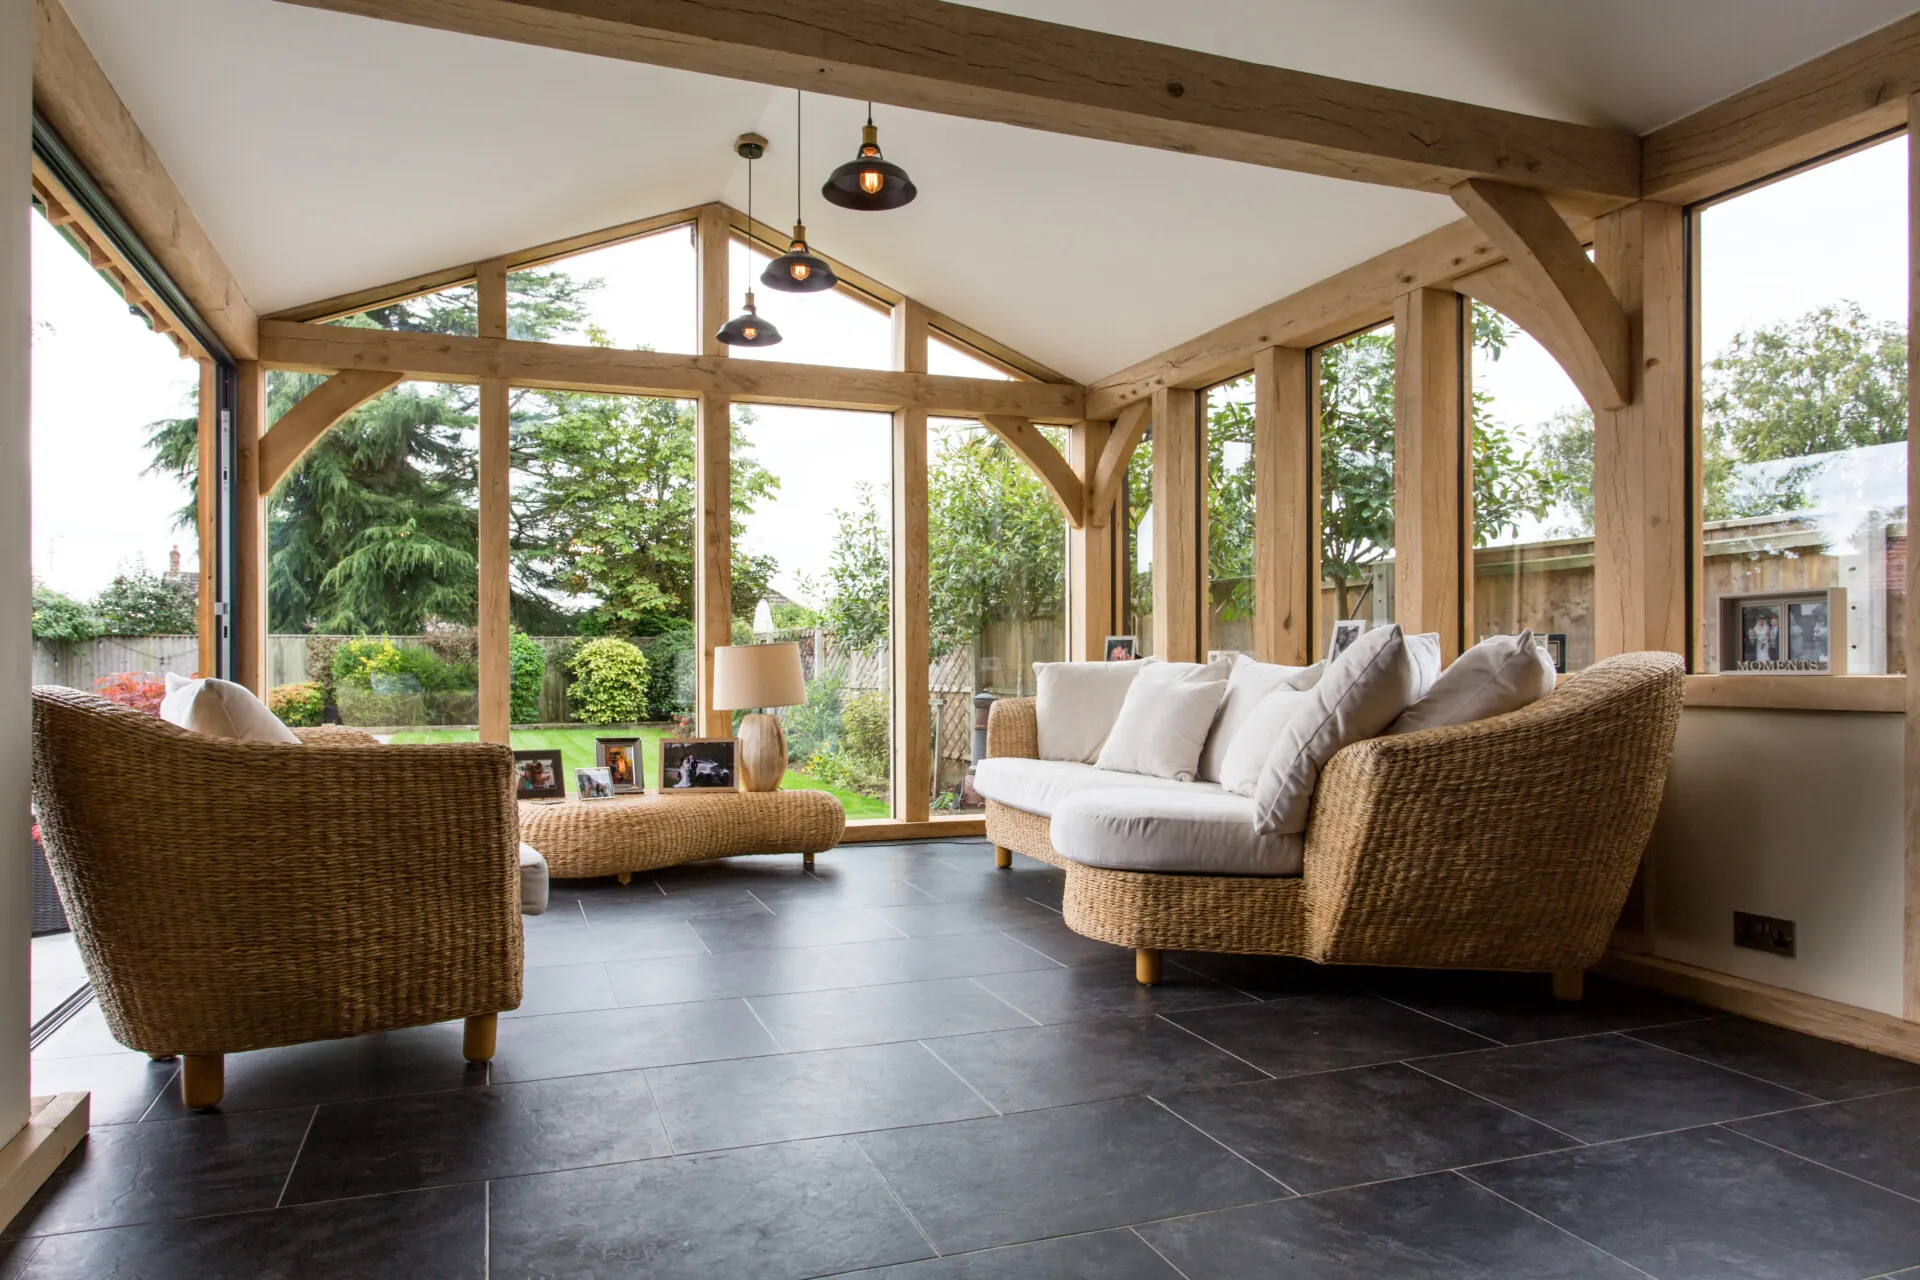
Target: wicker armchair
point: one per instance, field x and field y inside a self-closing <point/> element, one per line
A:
<point x="1508" y="843"/>
<point x="230" y="896"/>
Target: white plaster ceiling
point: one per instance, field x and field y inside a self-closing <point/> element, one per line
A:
<point x="326" y="153"/>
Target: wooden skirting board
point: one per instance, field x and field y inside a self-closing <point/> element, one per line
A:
<point x="1828" y="1019"/>
<point x="55" y="1124"/>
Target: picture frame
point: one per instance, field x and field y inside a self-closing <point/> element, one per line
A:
<point x="538" y="776"/>
<point x="624" y="763"/>
<point x="1557" y="650"/>
<point x="698" y="764"/>
<point x="1345" y="632"/>
<point x="592" y="784"/>
<point x="1784" y="633"/>
<point x="1121" y="648"/>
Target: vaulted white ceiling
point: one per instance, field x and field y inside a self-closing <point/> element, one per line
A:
<point x="326" y="153"/>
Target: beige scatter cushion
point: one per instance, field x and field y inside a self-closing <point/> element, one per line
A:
<point x="1243" y="761"/>
<point x="1077" y="704"/>
<point x="1162" y="727"/>
<point x="1496" y="676"/>
<point x="221" y="709"/>
<point x="1363" y="691"/>
<point x="1248" y="684"/>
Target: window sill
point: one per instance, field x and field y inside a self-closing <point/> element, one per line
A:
<point x="1886" y="694"/>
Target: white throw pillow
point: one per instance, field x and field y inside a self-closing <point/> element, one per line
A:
<point x="221" y="709"/>
<point x="1077" y="705"/>
<point x="1162" y="727"/>
<point x="1496" y="676"/>
<point x="1158" y="672"/>
<point x="1247" y="686"/>
<point x="1241" y="765"/>
<point x="1363" y="691"/>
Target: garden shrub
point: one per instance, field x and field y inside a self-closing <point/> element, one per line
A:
<point x="362" y="706"/>
<point x="298" y="705"/>
<point x="58" y="617"/>
<point x="139" y="603"/>
<point x="610" y="682"/>
<point x="815" y="725"/>
<point x="670" y="673"/>
<point x="141" y="690"/>
<point x="526" y="672"/>
<point x="835" y="767"/>
<point x="863" y="730"/>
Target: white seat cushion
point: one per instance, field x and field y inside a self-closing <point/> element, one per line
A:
<point x="533" y="881"/>
<point x="1041" y="786"/>
<point x="221" y="709"/>
<point x="1194" y="829"/>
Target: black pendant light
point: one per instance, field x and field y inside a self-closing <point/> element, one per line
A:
<point x="868" y="181"/>
<point x="798" y="270"/>
<point x="747" y="329"/>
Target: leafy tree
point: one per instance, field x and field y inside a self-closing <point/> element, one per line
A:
<point x="859" y="577"/>
<point x="1230" y="506"/>
<point x="610" y="681"/>
<point x="996" y="542"/>
<point x="1566" y="449"/>
<point x="138" y="603"/>
<point x="1356" y="462"/>
<point x="58" y="617"/>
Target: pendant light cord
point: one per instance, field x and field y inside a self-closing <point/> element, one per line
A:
<point x="798" y="171"/>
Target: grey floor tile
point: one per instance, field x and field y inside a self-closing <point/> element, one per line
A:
<point x="17" y="1255"/>
<point x="1707" y="1204"/>
<point x="1102" y="1255"/>
<point x="1599" y="1088"/>
<point x="1806" y="1063"/>
<point x="421" y="1235"/>
<point x="929" y="921"/>
<point x="1022" y="1177"/>
<point x="1433" y="1228"/>
<point x="622" y="940"/>
<point x="854" y="964"/>
<point x="573" y="1044"/>
<point x="1873" y="1138"/>
<point x="1031" y="1067"/>
<point x="131" y="1173"/>
<point x="1271" y="977"/>
<point x="1519" y="1008"/>
<point x="568" y="988"/>
<point x="1057" y="942"/>
<point x="469" y="1135"/>
<point x="415" y="1060"/>
<point x="875" y="1015"/>
<point x="841" y="893"/>
<point x="1087" y="991"/>
<point x="1368" y="1124"/>
<point x="123" y="1084"/>
<point x="764" y="1213"/>
<point x="753" y="1101"/>
<point x="770" y="932"/>
<point x="1325" y="1033"/>
<point x="634" y="905"/>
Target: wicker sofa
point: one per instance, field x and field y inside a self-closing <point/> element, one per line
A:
<point x="1507" y="843"/>
<point x="231" y="895"/>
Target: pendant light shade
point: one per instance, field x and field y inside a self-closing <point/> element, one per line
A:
<point x="748" y="330"/>
<point x="798" y="270"/>
<point x="869" y="181"/>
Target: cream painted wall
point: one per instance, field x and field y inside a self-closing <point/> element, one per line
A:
<point x="1794" y="814"/>
<point x="16" y="590"/>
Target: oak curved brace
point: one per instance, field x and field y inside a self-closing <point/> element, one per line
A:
<point x="1572" y="300"/>
<point x="288" y="440"/>
<point x="1054" y="470"/>
<point x="1128" y="428"/>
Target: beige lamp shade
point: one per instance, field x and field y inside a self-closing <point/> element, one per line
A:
<point x="757" y="675"/>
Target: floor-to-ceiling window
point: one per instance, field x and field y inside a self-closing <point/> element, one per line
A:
<point x="1356" y="385"/>
<point x="1135" y="578"/>
<point x="1226" y="411"/>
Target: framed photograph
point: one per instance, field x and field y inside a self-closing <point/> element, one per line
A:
<point x="1761" y="644"/>
<point x="1785" y="633"/>
<point x="696" y="764"/>
<point x="1557" y="650"/>
<point x="1120" y="648"/>
<point x="538" y="776"/>
<point x="1809" y="632"/>
<point x="593" y="784"/>
<point x="621" y="758"/>
<point x="1345" y="632"/>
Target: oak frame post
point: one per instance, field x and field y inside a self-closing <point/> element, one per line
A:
<point x="912" y="749"/>
<point x="713" y="480"/>
<point x="1910" y="979"/>
<point x="249" y="602"/>
<point x="1178" y="573"/>
<point x="1432" y="486"/>
<point x="495" y="534"/>
<point x="1090" y="551"/>
<point x="1282" y="506"/>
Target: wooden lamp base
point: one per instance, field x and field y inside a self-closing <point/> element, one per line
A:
<point x="762" y="748"/>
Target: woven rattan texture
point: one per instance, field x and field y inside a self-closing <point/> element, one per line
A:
<point x="581" y="838"/>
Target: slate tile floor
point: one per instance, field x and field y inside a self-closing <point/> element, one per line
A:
<point x="905" y="1066"/>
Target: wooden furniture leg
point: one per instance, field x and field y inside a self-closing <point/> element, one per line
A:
<point x="806" y="861"/>
<point x="482" y="1030"/>
<point x="1569" y="984"/>
<point x="624" y="877"/>
<point x="1002" y="856"/>
<point x="203" y="1080"/>
<point x="1146" y="966"/>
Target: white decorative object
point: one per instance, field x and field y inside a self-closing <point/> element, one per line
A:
<point x="221" y="709"/>
<point x="1499" y="675"/>
<point x="1077" y="703"/>
<point x="753" y="677"/>
<point x="1162" y="727"/>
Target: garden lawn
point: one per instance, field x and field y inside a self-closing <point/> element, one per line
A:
<point x="576" y="752"/>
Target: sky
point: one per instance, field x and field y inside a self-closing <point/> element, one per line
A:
<point x="100" y="376"/>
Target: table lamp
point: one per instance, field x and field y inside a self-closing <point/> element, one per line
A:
<point x="754" y="677"/>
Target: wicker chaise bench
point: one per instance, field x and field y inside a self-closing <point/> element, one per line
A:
<point x="1507" y="843"/>
<point x="617" y="837"/>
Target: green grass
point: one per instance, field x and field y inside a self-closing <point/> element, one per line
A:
<point x="576" y="752"/>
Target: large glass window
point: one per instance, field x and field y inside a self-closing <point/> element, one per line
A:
<point x="639" y="294"/>
<point x="1803" y="368"/>
<point x="1227" y="410"/>
<point x="1356" y="480"/>
<point x="813" y="563"/>
<point x="829" y="328"/>
<point x="1532" y="493"/>
<point x="1136" y="560"/>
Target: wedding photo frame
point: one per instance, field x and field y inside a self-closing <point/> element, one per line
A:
<point x="697" y="764"/>
<point x="1784" y="633"/>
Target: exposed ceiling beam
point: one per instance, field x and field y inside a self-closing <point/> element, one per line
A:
<point x="1836" y="100"/>
<point x="431" y="357"/>
<point x="962" y="61"/>
<point x="1111" y="472"/>
<point x="1579" y="305"/>
<point x="78" y="100"/>
<point x="1053" y="469"/>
